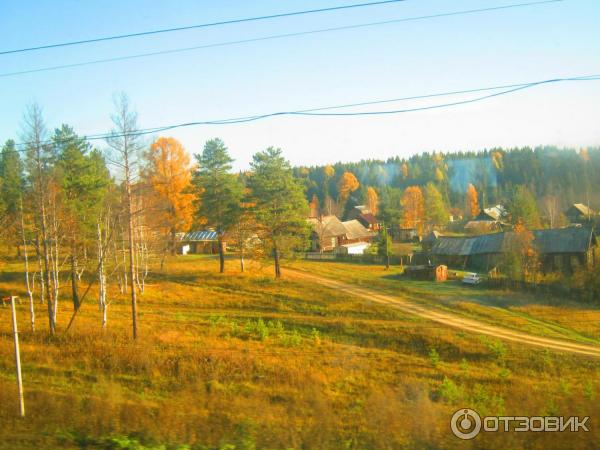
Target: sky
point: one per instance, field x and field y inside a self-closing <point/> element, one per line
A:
<point x="372" y="63"/>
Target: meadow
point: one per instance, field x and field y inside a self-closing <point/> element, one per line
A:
<point x="244" y="361"/>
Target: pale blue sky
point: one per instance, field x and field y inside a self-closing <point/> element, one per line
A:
<point x="390" y="61"/>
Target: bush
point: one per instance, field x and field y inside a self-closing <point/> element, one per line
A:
<point x="449" y="392"/>
<point x="434" y="357"/>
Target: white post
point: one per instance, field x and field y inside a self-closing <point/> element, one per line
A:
<point x="17" y="358"/>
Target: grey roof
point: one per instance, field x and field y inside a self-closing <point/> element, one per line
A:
<point x="565" y="240"/>
<point x="496" y="212"/>
<point x="431" y="237"/>
<point x="356" y="230"/>
<point x="559" y="240"/>
<point x="583" y="209"/>
<point x="327" y="226"/>
<point x="197" y="236"/>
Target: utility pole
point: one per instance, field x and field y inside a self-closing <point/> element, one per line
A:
<point x="386" y="236"/>
<point x="17" y="358"/>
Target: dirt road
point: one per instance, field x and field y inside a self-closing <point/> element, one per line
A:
<point x="450" y="319"/>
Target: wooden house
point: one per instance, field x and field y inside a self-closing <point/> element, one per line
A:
<point x="579" y="213"/>
<point x="329" y="233"/>
<point x="199" y="242"/>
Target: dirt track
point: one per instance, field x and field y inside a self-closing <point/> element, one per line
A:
<point x="450" y="319"/>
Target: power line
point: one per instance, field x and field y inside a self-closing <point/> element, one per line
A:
<point x="203" y="25"/>
<point x="507" y="89"/>
<point x="274" y="37"/>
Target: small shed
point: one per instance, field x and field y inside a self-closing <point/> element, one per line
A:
<point x="197" y="242"/>
<point x="356" y="248"/>
<point x="427" y="273"/>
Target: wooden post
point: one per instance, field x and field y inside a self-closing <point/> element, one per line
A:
<point x="17" y="358"/>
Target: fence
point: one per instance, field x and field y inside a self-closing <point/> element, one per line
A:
<point x="396" y="260"/>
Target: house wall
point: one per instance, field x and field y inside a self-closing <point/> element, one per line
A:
<point x="203" y="247"/>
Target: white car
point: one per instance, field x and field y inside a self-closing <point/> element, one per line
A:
<point x="471" y="278"/>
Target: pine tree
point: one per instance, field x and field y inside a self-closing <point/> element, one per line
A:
<point x="219" y="191"/>
<point x="11" y="192"/>
<point x="523" y="208"/>
<point x="83" y="178"/>
<point x="280" y="206"/>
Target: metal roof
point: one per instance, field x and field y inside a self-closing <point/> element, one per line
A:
<point x="205" y="235"/>
<point x="559" y="240"/>
<point x="356" y="230"/>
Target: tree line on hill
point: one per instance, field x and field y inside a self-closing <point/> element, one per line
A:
<point x="534" y="185"/>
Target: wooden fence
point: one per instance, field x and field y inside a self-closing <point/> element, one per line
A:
<point x="395" y="260"/>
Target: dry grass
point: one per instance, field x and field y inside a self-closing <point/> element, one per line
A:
<point x="243" y="361"/>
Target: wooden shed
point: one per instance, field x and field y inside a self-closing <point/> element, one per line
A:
<point x="427" y="273"/>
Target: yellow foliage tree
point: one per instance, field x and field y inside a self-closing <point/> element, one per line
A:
<point x="413" y="208"/>
<point x="347" y="184"/>
<point x="404" y="169"/>
<point x="497" y="160"/>
<point x="472" y="201"/>
<point x="169" y="176"/>
<point x="329" y="171"/>
<point x="372" y="200"/>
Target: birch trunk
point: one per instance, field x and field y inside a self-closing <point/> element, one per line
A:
<point x="101" y="279"/>
<point x="28" y="285"/>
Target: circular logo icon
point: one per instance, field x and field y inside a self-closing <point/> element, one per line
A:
<point x="465" y="424"/>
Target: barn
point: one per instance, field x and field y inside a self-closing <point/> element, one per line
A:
<point x="559" y="249"/>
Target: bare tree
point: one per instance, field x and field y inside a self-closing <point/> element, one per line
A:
<point x="34" y="134"/>
<point x="126" y="145"/>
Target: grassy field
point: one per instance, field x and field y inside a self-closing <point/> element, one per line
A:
<point x="242" y="361"/>
<point x="541" y="315"/>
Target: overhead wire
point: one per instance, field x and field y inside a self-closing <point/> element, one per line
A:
<point x="508" y="89"/>
<point x="203" y="25"/>
<point x="270" y="37"/>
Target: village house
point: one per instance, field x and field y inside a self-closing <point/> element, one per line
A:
<point x="488" y="220"/>
<point x="559" y="249"/>
<point x="580" y="213"/>
<point x="198" y="242"/>
<point x="331" y="234"/>
<point x="365" y="217"/>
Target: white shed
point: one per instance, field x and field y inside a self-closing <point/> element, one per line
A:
<point x="356" y="248"/>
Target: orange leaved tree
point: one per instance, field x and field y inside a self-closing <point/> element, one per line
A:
<point x="413" y="208"/>
<point x="472" y="201"/>
<point x="169" y="176"/>
<point x="347" y="185"/>
<point x="372" y="200"/>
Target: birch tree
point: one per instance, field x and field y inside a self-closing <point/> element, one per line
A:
<point x="38" y="160"/>
<point x="125" y="143"/>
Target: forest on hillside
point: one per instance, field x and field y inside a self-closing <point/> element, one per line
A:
<point x="554" y="177"/>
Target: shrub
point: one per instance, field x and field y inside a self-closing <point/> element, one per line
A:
<point x="434" y="357"/>
<point x="292" y="340"/>
<point x="316" y="336"/>
<point x="449" y="391"/>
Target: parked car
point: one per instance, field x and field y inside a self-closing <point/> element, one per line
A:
<point x="471" y="278"/>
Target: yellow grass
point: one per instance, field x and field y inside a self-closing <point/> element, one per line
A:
<point x="243" y="361"/>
